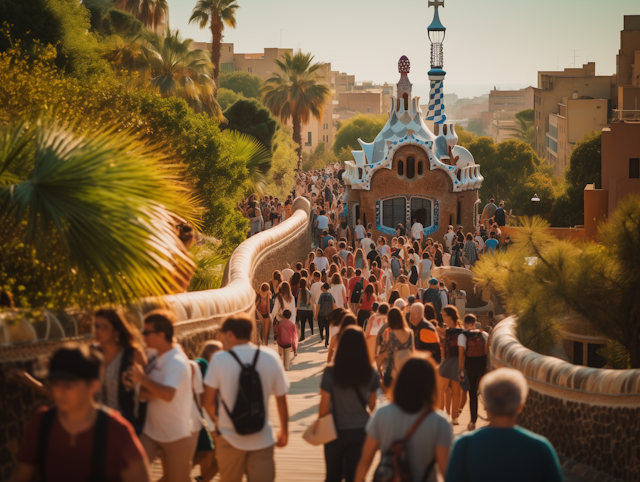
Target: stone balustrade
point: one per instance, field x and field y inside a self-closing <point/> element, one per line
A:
<point x="590" y="415"/>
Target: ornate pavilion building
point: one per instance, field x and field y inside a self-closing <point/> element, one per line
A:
<point x="411" y="171"/>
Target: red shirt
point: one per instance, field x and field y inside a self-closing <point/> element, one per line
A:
<point x="356" y="279"/>
<point x="64" y="462"/>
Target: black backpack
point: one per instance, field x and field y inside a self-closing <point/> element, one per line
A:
<point x="248" y="414"/>
<point x="99" y="444"/>
<point x="357" y="291"/>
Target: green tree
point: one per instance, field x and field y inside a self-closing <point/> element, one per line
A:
<point x="362" y="126"/>
<point x="174" y="69"/>
<point x="242" y="82"/>
<point x="475" y="126"/>
<point x="226" y="98"/>
<point x="524" y="129"/>
<point x="598" y="280"/>
<point x="585" y="167"/>
<point x="108" y="20"/>
<point x="256" y="157"/>
<point x="281" y="176"/>
<point x="151" y="13"/>
<point x="216" y="13"/>
<point x="295" y="93"/>
<point x="251" y="117"/>
<point x="64" y="24"/>
<point x="464" y="138"/>
<point x="104" y="203"/>
<point x="319" y="158"/>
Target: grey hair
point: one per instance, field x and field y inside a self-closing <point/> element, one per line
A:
<point x="504" y="390"/>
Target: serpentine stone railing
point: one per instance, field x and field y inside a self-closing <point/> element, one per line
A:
<point x="590" y="415"/>
<point x="199" y="315"/>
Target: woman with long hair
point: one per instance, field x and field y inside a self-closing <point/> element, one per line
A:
<point x="393" y="297"/>
<point x="294" y="281"/>
<point x="366" y="302"/>
<point x="438" y="258"/>
<point x="470" y="251"/>
<point x="284" y="301"/>
<point x="397" y="344"/>
<point x="473" y="348"/>
<point x="337" y="290"/>
<point x="413" y="410"/>
<point x="425" y="268"/>
<point x="306" y="307"/>
<point x="449" y="367"/>
<point x="274" y="285"/>
<point x="348" y="390"/>
<point x="377" y="322"/>
<point x="309" y="260"/>
<point x="263" y="308"/>
<point x="359" y="259"/>
<point x="322" y="263"/>
<point x="333" y="269"/>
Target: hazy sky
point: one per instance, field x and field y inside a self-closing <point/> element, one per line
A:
<point x="501" y="42"/>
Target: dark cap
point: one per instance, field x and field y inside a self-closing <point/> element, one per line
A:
<point x="411" y="299"/>
<point x="75" y="362"/>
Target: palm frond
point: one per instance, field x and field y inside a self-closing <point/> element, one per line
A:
<point x="256" y="157"/>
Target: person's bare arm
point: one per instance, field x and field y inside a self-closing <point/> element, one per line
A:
<point x="442" y="458"/>
<point x="369" y="450"/>
<point x="149" y="387"/>
<point x="209" y="402"/>
<point x="332" y="347"/>
<point x="283" y="415"/>
<point x="24" y="473"/>
<point x="24" y="378"/>
<point x="373" y="399"/>
<point x="137" y="471"/>
<point x="324" y="407"/>
<point x="461" y="358"/>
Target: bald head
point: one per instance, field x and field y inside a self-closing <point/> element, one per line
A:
<point x="416" y="313"/>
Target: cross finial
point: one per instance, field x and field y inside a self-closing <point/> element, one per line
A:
<point x="436" y="4"/>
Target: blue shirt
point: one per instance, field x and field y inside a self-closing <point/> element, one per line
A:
<point x="323" y="221"/>
<point x="325" y="242"/>
<point x="503" y="455"/>
<point x="491" y="244"/>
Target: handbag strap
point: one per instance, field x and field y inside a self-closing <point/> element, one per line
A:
<point x="429" y="468"/>
<point x="416" y="424"/>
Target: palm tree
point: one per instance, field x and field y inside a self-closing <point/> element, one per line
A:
<point x="257" y="158"/>
<point x="174" y="69"/>
<point x="296" y="93"/>
<point x="524" y="130"/>
<point x="216" y="13"/>
<point x="105" y="199"/>
<point x="150" y="12"/>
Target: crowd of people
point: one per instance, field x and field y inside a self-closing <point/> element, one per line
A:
<point x="394" y="336"/>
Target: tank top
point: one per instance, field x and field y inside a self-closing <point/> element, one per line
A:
<point x="366" y="305"/>
<point x="263" y="306"/>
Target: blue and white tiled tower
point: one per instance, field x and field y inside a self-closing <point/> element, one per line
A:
<point x="436" y="31"/>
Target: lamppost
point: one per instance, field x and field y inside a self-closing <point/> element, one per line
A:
<point x="535" y="199"/>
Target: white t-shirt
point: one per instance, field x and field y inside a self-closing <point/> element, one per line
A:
<point x="426" y="265"/>
<point x="367" y="245"/>
<point x="287" y="273"/>
<point x="323" y="222"/>
<point x="278" y="311"/>
<point x="480" y="241"/>
<point x="171" y="421"/>
<point x="416" y="230"/>
<point x="337" y="292"/>
<point x="360" y="231"/>
<point x="198" y="388"/>
<point x="321" y="263"/>
<point x="223" y="375"/>
<point x="316" y="291"/>
<point x="444" y="298"/>
<point x="462" y="339"/>
<point x="448" y="239"/>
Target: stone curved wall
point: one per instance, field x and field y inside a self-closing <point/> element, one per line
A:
<point x="590" y="415"/>
<point x="199" y="315"/>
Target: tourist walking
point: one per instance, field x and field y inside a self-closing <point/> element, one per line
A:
<point x="396" y="346"/>
<point x="448" y="370"/>
<point x="263" y="311"/>
<point x="413" y="419"/>
<point x="168" y="389"/>
<point x="325" y="306"/>
<point x="284" y="300"/>
<point x="245" y="445"/>
<point x="424" y="333"/>
<point x="338" y="291"/>
<point x="348" y="388"/>
<point x="287" y="337"/>
<point x="77" y="440"/>
<point x="473" y="348"/>
<point x="366" y="303"/>
<point x="501" y="451"/>
<point x="305" y="308"/>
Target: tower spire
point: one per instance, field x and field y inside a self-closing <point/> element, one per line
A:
<point x="436" y="33"/>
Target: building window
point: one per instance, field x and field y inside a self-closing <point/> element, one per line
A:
<point x="394" y="212"/>
<point x="405" y="96"/>
<point x="421" y="211"/>
<point x="634" y="168"/>
<point x="250" y="70"/>
<point x="420" y="168"/>
<point x="308" y="143"/>
<point x="400" y="168"/>
<point x="228" y="67"/>
<point x="368" y="110"/>
<point x="411" y="167"/>
<point x="229" y="49"/>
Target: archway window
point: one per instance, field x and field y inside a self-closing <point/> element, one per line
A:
<point x="421" y="211"/>
<point x="420" y="168"/>
<point x="411" y="167"/>
<point x="405" y="96"/>
<point x="401" y="168"/>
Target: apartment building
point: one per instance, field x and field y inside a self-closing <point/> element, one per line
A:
<point x="628" y="68"/>
<point x="575" y="84"/>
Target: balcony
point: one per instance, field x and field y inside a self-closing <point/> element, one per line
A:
<point x="626" y="115"/>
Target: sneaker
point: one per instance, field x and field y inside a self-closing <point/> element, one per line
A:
<point x="455" y="421"/>
<point x="471" y="426"/>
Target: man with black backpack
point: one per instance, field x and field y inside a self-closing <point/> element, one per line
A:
<point x="95" y="443"/>
<point x="356" y="288"/>
<point x="243" y="378"/>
